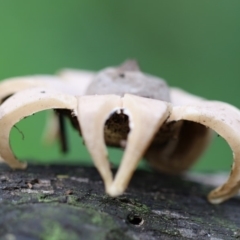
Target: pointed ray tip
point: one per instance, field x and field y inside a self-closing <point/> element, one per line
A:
<point x="113" y="191"/>
<point x="215" y="200"/>
<point x="21" y="165"/>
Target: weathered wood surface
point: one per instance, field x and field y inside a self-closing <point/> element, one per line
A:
<point x="68" y="202"/>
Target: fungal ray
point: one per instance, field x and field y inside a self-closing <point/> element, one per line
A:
<point x="147" y="115"/>
<point x="79" y="80"/>
<point x="73" y="82"/>
<point x="93" y="111"/>
<point x="123" y="107"/>
<point x="10" y="86"/>
<point x="225" y="120"/>
<point x="51" y="130"/>
<point x="76" y="82"/>
<point x="26" y="103"/>
<point x="178" y="144"/>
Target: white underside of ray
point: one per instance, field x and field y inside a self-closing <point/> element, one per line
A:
<point x="26" y="103"/>
<point x="93" y="111"/>
<point x="146" y="117"/>
<point x="225" y="120"/>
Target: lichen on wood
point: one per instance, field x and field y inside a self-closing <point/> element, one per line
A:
<point x="69" y="202"/>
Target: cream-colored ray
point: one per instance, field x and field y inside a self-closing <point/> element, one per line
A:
<point x="12" y="85"/>
<point x="184" y="144"/>
<point x="78" y="79"/>
<point x="225" y="120"/>
<point x="51" y="131"/>
<point x="77" y="82"/>
<point x="93" y="111"/>
<point x="146" y="117"/>
<point x="25" y="103"/>
<point x="179" y="97"/>
<point x="179" y="154"/>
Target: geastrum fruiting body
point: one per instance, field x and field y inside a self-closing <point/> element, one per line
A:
<point x="123" y="107"/>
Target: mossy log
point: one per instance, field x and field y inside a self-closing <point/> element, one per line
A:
<point x="69" y="202"/>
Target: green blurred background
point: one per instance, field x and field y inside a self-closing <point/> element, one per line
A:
<point x="192" y="44"/>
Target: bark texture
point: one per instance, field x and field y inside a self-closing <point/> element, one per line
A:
<point x="68" y="202"/>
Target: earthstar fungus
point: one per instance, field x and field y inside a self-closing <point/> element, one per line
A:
<point x="123" y="107"/>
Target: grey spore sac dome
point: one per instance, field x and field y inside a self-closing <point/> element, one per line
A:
<point x="127" y="78"/>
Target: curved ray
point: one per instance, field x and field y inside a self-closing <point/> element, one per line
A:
<point x="225" y="120"/>
<point x="77" y="82"/>
<point x="180" y="97"/>
<point x="178" y="145"/>
<point x="78" y="79"/>
<point x="93" y="111"/>
<point x="10" y="86"/>
<point x="25" y="103"/>
<point x="146" y="117"/>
